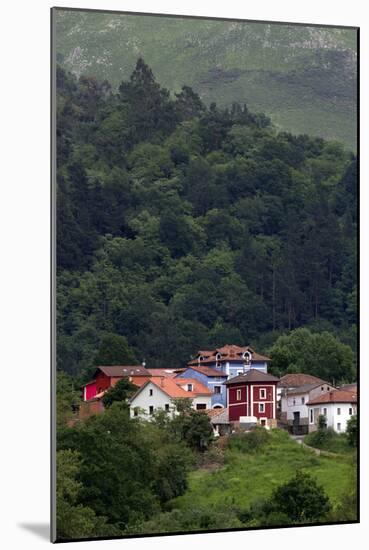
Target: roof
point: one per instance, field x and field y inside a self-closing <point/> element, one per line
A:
<point x="169" y="373"/>
<point x="123" y="370"/>
<point x="208" y="371"/>
<point x="199" y="389"/>
<point x="172" y="387"/>
<point x="335" y="396"/>
<point x="300" y="379"/>
<point x="308" y="387"/>
<point x="252" y="375"/>
<point x="218" y="416"/>
<point x="229" y="352"/>
<point x="349" y="387"/>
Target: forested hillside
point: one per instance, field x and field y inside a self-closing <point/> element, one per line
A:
<point x="303" y="77"/>
<point x="184" y="227"/>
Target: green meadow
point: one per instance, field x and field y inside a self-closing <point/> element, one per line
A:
<point x="247" y="477"/>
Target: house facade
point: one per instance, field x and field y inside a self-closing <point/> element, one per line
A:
<point x="160" y="392"/>
<point x="231" y="360"/>
<point x="294" y="406"/>
<point x="107" y="376"/>
<point x="253" y="394"/>
<point x="213" y="379"/>
<point x="338" y="406"/>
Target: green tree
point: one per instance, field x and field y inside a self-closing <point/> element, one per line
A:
<point x="114" y="350"/>
<point x="352" y="431"/>
<point x="68" y="398"/>
<point x="122" y="391"/>
<point x="319" y="354"/>
<point x="301" y="499"/>
<point x="73" y="520"/>
<point x="197" y="430"/>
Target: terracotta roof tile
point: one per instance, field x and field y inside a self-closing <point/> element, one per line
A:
<point x="229" y="352"/>
<point x="172" y="387"/>
<point x="295" y="380"/>
<point x="335" y="396"/>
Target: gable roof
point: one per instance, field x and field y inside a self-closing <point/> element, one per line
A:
<point x="172" y="387"/>
<point x="122" y="370"/>
<point x="228" y="352"/>
<point x="207" y="371"/>
<point x="253" y="375"/>
<point x="308" y="387"/>
<point x="299" y="379"/>
<point x="335" y="396"/>
<point x="169" y="373"/>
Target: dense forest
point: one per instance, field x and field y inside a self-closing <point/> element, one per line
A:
<point x="182" y="227"/>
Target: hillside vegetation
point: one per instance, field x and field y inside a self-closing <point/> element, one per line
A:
<point x="303" y="77"/>
<point x="181" y="227"/>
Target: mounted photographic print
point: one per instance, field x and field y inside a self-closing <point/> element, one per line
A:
<point x="204" y="182"/>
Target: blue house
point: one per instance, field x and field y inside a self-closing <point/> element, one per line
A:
<point x="231" y="360"/>
<point x="211" y="378"/>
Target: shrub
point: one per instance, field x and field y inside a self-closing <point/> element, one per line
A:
<point x="249" y="442"/>
<point x="301" y="499"/>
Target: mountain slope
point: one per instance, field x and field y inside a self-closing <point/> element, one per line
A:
<point x="303" y="77"/>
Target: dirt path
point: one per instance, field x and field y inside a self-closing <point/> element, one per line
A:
<point x="300" y="440"/>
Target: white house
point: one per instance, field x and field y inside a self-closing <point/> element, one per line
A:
<point x="338" y="406"/>
<point x="294" y="399"/>
<point x="160" y="392"/>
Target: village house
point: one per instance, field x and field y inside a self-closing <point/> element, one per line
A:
<point x="337" y="406"/>
<point x="296" y="391"/>
<point x="106" y="377"/>
<point x="253" y="396"/>
<point x="231" y="360"/>
<point x="213" y="379"/>
<point x="160" y="392"/>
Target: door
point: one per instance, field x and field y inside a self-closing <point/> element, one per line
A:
<point x="296" y="423"/>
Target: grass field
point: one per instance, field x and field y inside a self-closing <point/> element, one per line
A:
<point x="249" y="477"/>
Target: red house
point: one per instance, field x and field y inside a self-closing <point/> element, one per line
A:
<point x="253" y="395"/>
<point x="106" y="377"/>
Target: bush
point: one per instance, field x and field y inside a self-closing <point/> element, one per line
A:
<point x="328" y="440"/>
<point x="249" y="442"/>
<point x="301" y="499"/>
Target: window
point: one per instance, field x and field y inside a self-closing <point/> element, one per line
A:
<point x="338" y="427"/>
<point x="238" y="397"/>
<point x="302" y="400"/>
<point x="217" y="389"/>
<point x="151" y="409"/>
<point x="350" y="411"/>
<point x="322" y="388"/>
<point x="135" y="412"/>
<point x="328" y="388"/>
<point x="262" y="393"/>
<point x="150" y="392"/>
<point x="261" y="407"/>
<point x="311" y="416"/>
<point x="200" y="406"/>
<point x="189" y="387"/>
<point x="167" y="407"/>
<point x="338" y="411"/>
<point x="263" y="422"/>
<point x="325" y="411"/>
<point x="294" y="401"/>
